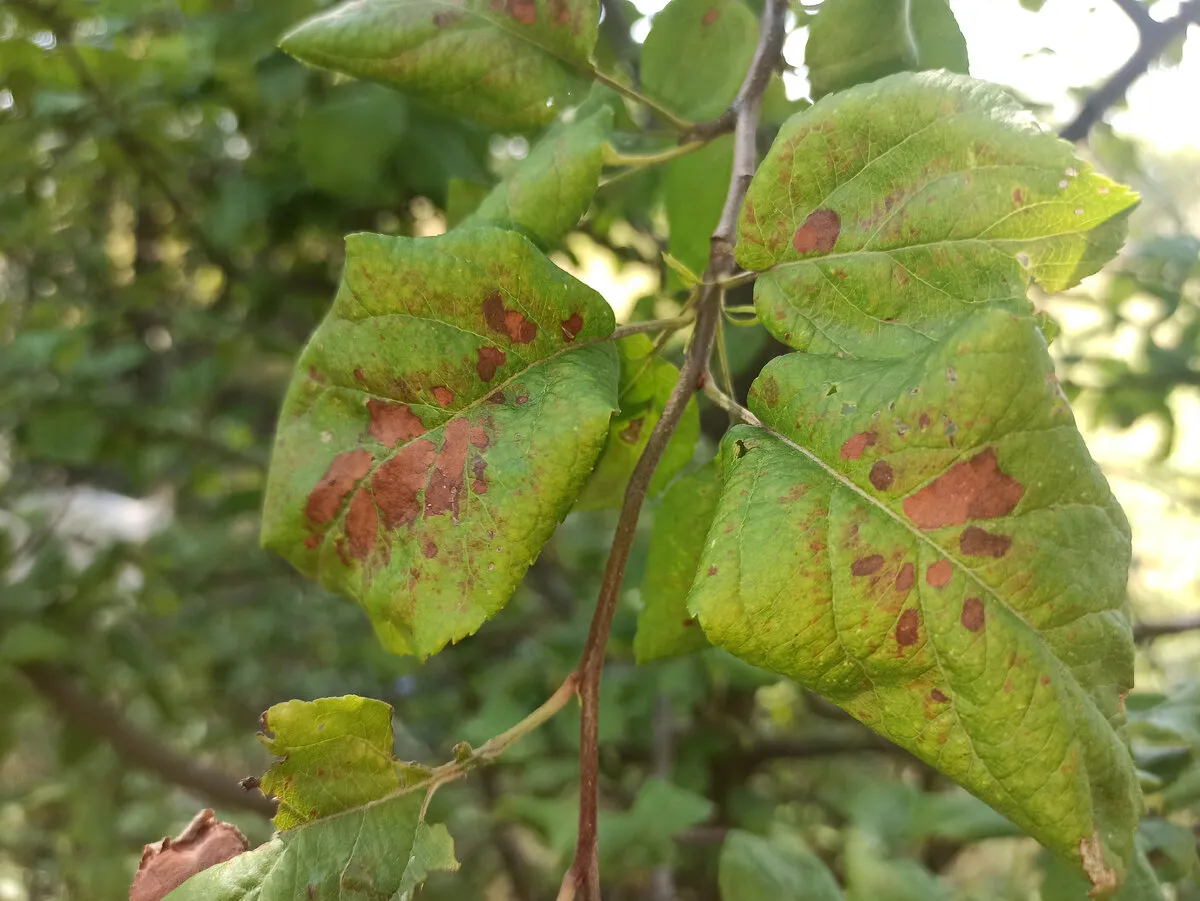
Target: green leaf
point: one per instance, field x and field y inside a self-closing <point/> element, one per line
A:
<point x="439" y="425"/>
<point x="696" y="55"/>
<point x="753" y="868"/>
<point x="350" y="815"/>
<point x="855" y="41"/>
<point x="1170" y="846"/>
<point x="665" y="629"/>
<point x="345" y="142"/>
<point x="927" y="543"/>
<point x="644" y="834"/>
<point x="885" y="213"/>
<point x="551" y="189"/>
<point x="646" y="383"/>
<point x="871" y="872"/>
<point x="694" y="189"/>
<point x="505" y="63"/>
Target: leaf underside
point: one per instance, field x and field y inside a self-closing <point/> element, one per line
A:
<point x="440" y="423"/>
<point x="350" y="816"/>
<point x="918" y="532"/>
<point x="505" y="63"/>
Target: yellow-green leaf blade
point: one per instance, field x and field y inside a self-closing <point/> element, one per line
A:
<point x="349" y="825"/>
<point x="927" y="543"/>
<point x="550" y="190"/>
<point x="440" y="423"/>
<point x="885" y="213"/>
<point x="665" y="628"/>
<point x="502" y="62"/>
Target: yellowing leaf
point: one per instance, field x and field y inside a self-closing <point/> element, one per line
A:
<point x="927" y="543"/>
<point x="885" y="213"/>
<point x="439" y="425"/>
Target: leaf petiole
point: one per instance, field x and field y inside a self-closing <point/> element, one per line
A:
<point x="682" y="125"/>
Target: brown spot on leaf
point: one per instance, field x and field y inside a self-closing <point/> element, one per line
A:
<point x="1045" y="680"/>
<point x="938" y="574"/>
<point x="975" y="542"/>
<point x="446" y="18"/>
<point x="769" y="391"/>
<point x="972" y="614"/>
<point x="397" y="483"/>
<point x="881" y="475"/>
<point x="443" y="395"/>
<point x="429" y="548"/>
<point x="392" y="424"/>
<point x="490" y="359"/>
<point x="712" y="570"/>
<point x="338" y="481"/>
<point x="312" y="541"/>
<point x="362" y="522"/>
<point x="819" y="232"/>
<point x="446" y="477"/>
<point x="359" y="375"/>
<point x="923" y="421"/>
<point x="317" y="376"/>
<point x="854" y="446"/>
<point x="972" y="489"/>
<point x="478" y="436"/>
<point x="479" y="471"/>
<point x="571" y="327"/>
<point x="936" y="695"/>
<point x="1018" y="197"/>
<point x="505" y="321"/>
<point x="167" y="864"/>
<point x="867" y="565"/>
<point x="632" y="432"/>
<point x="906" y="577"/>
<point x="1099" y="873"/>
<point x="496" y="398"/>
<point x="522" y="399"/>
<point x="908" y="629"/>
<point x="709" y="17"/>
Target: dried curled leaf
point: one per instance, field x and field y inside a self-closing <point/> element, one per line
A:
<point x="168" y="863"/>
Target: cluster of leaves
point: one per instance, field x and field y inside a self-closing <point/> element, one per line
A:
<point x="908" y="523"/>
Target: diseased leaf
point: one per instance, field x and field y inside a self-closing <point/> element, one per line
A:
<point x="757" y="869"/>
<point x="856" y="41"/>
<point x="550" y="190"/>
<point x="927" y="543"/>
<point x="665" y="628"/>
<point x="505" y="63"/>
<point x="350" y="815"/>
<point x="439" y="425"/>
<point x="646" y="384"/>
<point x="1061" y="883"/>
<point x="883" y="214"/>
<point x="696" y="55"/>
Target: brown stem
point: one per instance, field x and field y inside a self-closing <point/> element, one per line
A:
<point x="1153" y="39"/>
<point x="583" y="879"/>
<point x="1149" y="631"/>
<point x="136" y="747"/>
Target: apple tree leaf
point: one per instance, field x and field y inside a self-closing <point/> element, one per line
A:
<point x="665" y="628"/>
<point x="350" y="815"/>
<point x="884" y="213"/>
<point x="855" y="41"/>
<point x="548" y="193"/>
<point x="504" y="63"/>
<point x="439" y="425"/>
<point x="927" y="543"/>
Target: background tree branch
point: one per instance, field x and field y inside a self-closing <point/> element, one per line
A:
<point x="137" y="747"/>
<point x="1153" y="39"/>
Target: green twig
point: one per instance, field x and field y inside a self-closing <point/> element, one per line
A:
<point x="681" y="125"/>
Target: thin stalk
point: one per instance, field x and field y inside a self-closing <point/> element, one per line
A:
<point x="681" y="125"/>
<point x="614" y="157"/>
<point x="654" y="325"/>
